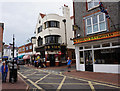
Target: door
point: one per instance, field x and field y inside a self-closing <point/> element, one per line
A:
<point x="88" y="61"/>
<point x="52" y="60"/>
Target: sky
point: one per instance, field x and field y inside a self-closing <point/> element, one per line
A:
<point x="20" y="18"/>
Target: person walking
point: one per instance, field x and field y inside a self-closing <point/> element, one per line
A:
<point x="4" y="70"/>
<point x="69" y="64"/>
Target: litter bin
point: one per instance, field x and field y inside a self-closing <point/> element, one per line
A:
<point x="12" y="73"/>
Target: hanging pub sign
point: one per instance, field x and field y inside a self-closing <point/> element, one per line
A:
<point x="52" y="47"/>
<point x="97" y="37"/>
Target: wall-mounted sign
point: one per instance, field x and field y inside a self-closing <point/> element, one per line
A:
<point x="97" y="37"/>
<point x="52" y="47"/>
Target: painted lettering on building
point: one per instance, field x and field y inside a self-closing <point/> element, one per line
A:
<point x="97" y="37"/>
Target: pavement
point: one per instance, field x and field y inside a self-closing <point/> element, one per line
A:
<point x="20" y="85"/>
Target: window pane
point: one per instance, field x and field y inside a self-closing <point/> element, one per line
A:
<point x="94" y="19"/>
<point x="101" y="17"/>
<point x="95" y="28"/>
<point x="89" y="21"/>
<point x="102" y="26"/>
<point x="96" y="2"/>
<point x="90" y="5"/>
<point x="89" y="29"/>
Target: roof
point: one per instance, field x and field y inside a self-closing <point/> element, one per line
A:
<point x="42" y="15"/>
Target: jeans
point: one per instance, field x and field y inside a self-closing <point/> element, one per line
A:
<point x="4" y="75"/>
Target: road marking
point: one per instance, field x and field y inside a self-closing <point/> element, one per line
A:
<point x="22" y="75"/>
<point x="91" y="86"/>
<point x="31" y="74"/>
<point x="65" y="83"/>
<point x="42" y="78"/>
<point x="105" y="85"/>
<point x="35" y="85"/>
<point x="54" y="78"/>
<point x="59" y="87"/>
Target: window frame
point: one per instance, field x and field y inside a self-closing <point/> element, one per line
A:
<point x="98" y="23"/>
<point x="94" y="6"/>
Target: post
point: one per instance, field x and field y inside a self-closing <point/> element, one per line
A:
<point x="13" y="60"/>
<point x="65" y="32"/>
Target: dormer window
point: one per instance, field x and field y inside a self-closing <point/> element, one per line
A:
<point x="92" y="4"/>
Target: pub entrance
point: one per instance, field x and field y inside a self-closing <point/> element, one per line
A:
<point x="88" y="60"/>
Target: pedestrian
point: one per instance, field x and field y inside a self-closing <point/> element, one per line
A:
<point x="4" y="70"/>
<point x="69" y="64"/>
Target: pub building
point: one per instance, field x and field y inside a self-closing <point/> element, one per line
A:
<point x="52" y="40"/>
<point x="97" y="47"/>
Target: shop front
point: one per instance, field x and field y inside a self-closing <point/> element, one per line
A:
<point x="98" y="56"/>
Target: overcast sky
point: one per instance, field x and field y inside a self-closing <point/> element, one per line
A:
<point x="20" y="18"/>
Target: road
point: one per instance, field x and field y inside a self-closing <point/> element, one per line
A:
<point x="50" y="80"/>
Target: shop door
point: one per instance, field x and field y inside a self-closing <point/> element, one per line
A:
<point x="52" y="60"/>
<point x="88" y="61"/>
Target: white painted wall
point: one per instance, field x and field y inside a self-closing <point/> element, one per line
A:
<point x="57" y="31"/>
<point x="107" y="68"/>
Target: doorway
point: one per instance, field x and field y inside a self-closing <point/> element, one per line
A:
<point x="88" y="61"/>
<point x="52" y="59"/>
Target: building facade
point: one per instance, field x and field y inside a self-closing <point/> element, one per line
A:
<point x="25" y="51"/>
<point x="97" y="42"/>
<point x="53" y="34"/>
<point x="1" y="40"/>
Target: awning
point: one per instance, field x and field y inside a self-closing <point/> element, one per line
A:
<point x="21" y="56"/>
<point x="26" y="57"/>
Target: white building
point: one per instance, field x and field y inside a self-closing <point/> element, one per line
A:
<point x="53" y="34"/>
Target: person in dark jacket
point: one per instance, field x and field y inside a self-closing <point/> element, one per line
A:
<point x="4" y="70"/>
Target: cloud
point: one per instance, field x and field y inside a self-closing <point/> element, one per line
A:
<point x="20" y="18"/>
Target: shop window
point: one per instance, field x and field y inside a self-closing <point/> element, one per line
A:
<point x="81" y="57"/>
<point x="95" y="23"/>
<point x="116" y="44"/>
<point x="106" y="45"/>
<point x="92" y="4"/>
<point x="96" y="46"/>
<point x="107" y="56"/>
<point x="80" y="48"/>
<point x="87" y="47"/>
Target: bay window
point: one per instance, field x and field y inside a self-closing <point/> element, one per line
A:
<point x="95" y="23"/>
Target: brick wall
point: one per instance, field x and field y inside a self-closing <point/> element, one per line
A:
<point x="80" y="11"/>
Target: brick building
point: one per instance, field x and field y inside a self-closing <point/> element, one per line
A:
<point x="96" y="40"/>
<point x="1" y="39"/>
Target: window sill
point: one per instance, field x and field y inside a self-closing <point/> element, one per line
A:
<point x="92" y="8"/>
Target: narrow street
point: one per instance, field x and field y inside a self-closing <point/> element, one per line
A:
<point x="52" y="80"/>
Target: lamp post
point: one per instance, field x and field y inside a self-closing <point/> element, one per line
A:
<point x="64" y="20"/>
